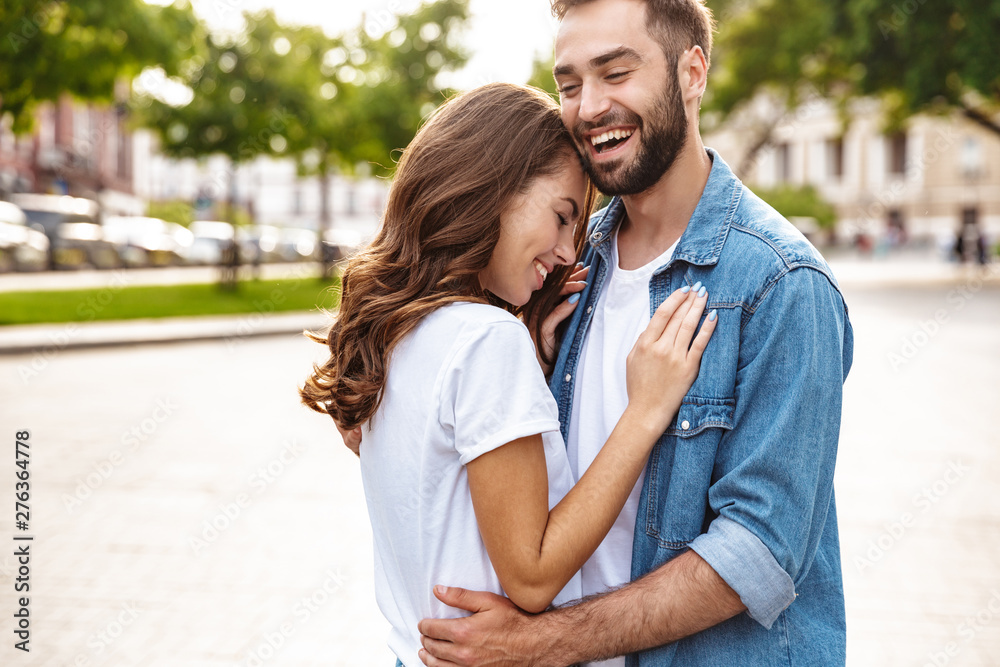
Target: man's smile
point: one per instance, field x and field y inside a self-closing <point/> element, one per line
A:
<point x="608" y="143"/>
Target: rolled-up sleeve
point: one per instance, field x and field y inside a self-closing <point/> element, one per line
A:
<point x="774" y="469"/>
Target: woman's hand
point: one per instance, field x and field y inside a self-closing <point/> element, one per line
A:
<point x="664" y="362"/>
<point x="574" y="285"/>
<point x="352" y="439"/>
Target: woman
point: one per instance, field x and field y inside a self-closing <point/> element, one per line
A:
<point x="465" y="473"/>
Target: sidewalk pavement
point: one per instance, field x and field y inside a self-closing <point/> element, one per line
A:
<point x="852" y="273"/>
<point x="174" y="275"/>
<point x="45" y="338"/>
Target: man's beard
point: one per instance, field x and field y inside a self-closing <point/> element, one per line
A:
<point x="662" y="136"/>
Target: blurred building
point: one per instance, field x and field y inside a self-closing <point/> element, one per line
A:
<point x="77" y="149"/>
<point x="271" y="190"/>
<point x="88" y="150"/>
<point x="923" y="183"/>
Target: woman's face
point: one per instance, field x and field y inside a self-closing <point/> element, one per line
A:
<point x="536" y="234"/>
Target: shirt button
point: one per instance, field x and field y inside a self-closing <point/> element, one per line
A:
<point x="568" y="377"/>
<point x="597" y="236"/>
<point x="589" y="308"/>
<point x="685" y="425"/>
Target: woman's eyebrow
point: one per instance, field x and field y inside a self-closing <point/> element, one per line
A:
<point x="576" y="208"/>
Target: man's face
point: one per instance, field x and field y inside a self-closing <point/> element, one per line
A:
<point x="620" y="98"/>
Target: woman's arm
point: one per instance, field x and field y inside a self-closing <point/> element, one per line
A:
<point x="535" y="551"/>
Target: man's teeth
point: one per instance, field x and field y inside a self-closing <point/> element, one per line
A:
<point x="541" y="270"/>
<point x="599" y="139"/>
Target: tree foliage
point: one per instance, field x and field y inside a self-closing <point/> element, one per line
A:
<point x="917" y="55"/>
<point x="83" y="47"/>
<point x="246" y="93"/>
<point x="331" y="102"/>
<point x="800" y="201"/>
<point x="396" y="80"/>
<point x="541" y="74"/>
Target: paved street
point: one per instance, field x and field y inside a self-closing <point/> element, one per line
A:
<point x="188" y="511"/>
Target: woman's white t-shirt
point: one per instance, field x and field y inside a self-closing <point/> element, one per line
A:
<point x="463" y="383"/>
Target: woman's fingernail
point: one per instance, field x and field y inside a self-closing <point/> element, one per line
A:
<point x="702" y="292"/>
<point x="697" y="285"/>
<point x="686" y="289"/>
<point x="712" y="315"/>
<point x="574" y="298"/>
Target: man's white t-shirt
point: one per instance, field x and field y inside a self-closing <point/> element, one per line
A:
<point x="600" y="397"/>
<point x="463" y="383"/>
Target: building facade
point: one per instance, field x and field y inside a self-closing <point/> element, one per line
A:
<point x="79" y="149"/>
<point x="923" y="183"/>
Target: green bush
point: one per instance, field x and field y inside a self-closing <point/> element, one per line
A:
<point x="180" y="212"/>
<point x="791" y="201"/>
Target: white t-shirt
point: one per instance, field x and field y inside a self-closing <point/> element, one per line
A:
<point x="600" y="397"/>
<point x="463" y="383"/>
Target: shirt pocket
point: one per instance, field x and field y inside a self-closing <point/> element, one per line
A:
<point x="680" y="469"/>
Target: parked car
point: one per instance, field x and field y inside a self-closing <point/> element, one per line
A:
<point x="297" y="245"/>
<point x="21" y="247"/>
<point x="209" y="242"/>
<point x="341" y="243"/>
<point x="258" y="244"/>
<point x="72" y="225"/>
<point x="145" y="241"/>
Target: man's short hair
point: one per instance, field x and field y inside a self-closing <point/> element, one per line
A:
<point x="676" y="24"/>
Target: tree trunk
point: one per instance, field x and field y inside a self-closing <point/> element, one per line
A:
<point x="326" y="255"/>
<point x="750" y="159"/>
<point x="230" y="257"/>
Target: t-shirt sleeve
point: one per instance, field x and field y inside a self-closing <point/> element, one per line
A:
<point x="493" y="390"/>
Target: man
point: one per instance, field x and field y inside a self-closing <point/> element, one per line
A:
<point x="731" y="536"/>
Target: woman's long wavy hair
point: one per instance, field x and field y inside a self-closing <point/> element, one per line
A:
<point x="442" y="221"/>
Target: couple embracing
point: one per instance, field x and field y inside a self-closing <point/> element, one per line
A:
<point x="593" y="437"/>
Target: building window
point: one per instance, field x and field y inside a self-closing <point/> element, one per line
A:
<point x="782" y="163"/>
<point x="970" y="217"/>
<point x="971" y="157"/>
<point x="897" y="153"/>
<point x="835" y="159"/>
<point x="352" y="202"/>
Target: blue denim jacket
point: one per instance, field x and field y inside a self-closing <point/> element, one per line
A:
<point x="744" y="475"/>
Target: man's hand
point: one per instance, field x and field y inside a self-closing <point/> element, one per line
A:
<point x="352" y="439"/>
<point x="497" y="634"/>
<point x="676" y="600"/>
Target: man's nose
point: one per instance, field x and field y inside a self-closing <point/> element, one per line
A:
<point x="593" y="103"/>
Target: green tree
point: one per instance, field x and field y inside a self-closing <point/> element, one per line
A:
<point x="396" y="79"/>
<point x="367" y="95"/>
<point x="51" y="47"/>
<point x="785" y="50"/>
<point x="799" y="202"/>
<point x="928" y="56"/>
<point x="246" y="95"/>
<point x="331" y="103"/>
<point x="917" y="56"/>
<point x="541" y="74"/>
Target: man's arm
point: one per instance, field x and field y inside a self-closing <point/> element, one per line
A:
<point x="771" y="500"/>
<point x="678" y="599"/>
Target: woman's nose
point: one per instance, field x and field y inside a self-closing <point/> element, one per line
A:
<point x="564" y="252"/>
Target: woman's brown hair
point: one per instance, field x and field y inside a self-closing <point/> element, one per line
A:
<point x="442" y="221"/>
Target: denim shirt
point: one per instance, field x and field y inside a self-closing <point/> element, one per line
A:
<point x="744" y="474"/>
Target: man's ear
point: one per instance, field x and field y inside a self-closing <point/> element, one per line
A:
<point x="692" y="72"/>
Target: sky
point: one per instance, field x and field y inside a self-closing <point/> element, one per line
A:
<point x="503" y="36"/>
